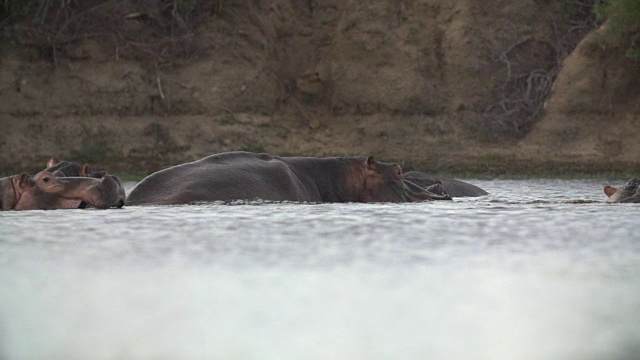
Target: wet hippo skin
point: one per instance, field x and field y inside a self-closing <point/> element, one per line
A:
<point x="46" y="191"/>
<point x="249" y="176"/>
<point x="627" y="193"/>
<point x="455" y="188"/>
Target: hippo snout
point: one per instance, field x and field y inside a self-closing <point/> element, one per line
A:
<point x="110" y="193"/>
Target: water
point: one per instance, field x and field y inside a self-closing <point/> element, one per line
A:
<point x="539" y="269"/>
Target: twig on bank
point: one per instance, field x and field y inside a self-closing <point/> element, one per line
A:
<point x="160" y="88"/>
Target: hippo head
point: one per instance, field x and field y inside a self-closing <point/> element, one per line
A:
<point x="70" y="168"/>
<point x="436" y="191"/>
<point x="628" y="193"/>
<point x="382" y="182"/>
<point x="385" y="183"/>
<point x="46" y="191"/>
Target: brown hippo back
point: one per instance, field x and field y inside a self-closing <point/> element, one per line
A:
<point x="249" y="176"/>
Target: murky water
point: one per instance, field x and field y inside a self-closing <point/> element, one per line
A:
<point x="536" y="270"/>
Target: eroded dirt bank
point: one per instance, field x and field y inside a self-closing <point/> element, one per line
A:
<point x="432" y="84"/>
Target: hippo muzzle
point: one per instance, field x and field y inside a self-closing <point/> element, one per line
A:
<point x="101" y="193"/>
<point x="414" y="192"/>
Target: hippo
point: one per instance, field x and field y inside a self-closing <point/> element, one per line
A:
<point x="251" y="176"/>
<point x="70" y="168"/>
<point x="46" y="191"/>
<point x="73" y="169"/>
<point x="628" y="193"/>
<point x="455" y="188"/>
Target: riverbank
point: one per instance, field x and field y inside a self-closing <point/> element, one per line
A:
<point x="450" y="88"/>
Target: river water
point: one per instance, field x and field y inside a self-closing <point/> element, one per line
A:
<point x="539" y="269"/>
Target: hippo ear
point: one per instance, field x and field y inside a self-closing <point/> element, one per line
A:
<point x="23" y="180"/>
<point x="52" y="162"/>
<point x="610" y="190"/>
<point x="370" y="162"/>
<point x="85" y="171"/>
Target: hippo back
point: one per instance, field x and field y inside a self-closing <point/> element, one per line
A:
<point x="222" y="177"/>
<point x="7" y="193"/>
<point x="249" y="176"/>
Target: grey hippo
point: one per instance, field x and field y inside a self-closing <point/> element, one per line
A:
<point x="627" y="193"/>
<point x="250" y="176"/>
<point x="46" y="191"/>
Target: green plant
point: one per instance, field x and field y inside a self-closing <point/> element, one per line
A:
<point x="633" y="53"/>
<point x="228" y="119"/>
<point x="623" y="23"/>
<point x="602" y="9"/>
<point x="255" y="148"/>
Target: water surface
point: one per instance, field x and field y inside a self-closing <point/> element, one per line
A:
<point x="539" y="269"/>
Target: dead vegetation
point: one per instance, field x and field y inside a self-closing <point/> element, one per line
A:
<point x="160" y="32"/>
<point x="528" y="83"/>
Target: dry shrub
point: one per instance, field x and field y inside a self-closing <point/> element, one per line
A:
<point x="161" y="32"/>
<point x="531" y="66"/>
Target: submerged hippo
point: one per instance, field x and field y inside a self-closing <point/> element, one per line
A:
<point x="628" y="193"/>
<point x="46" y="191"/>
<point x="249" y="176"/>
<point x="455" y="188"/>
